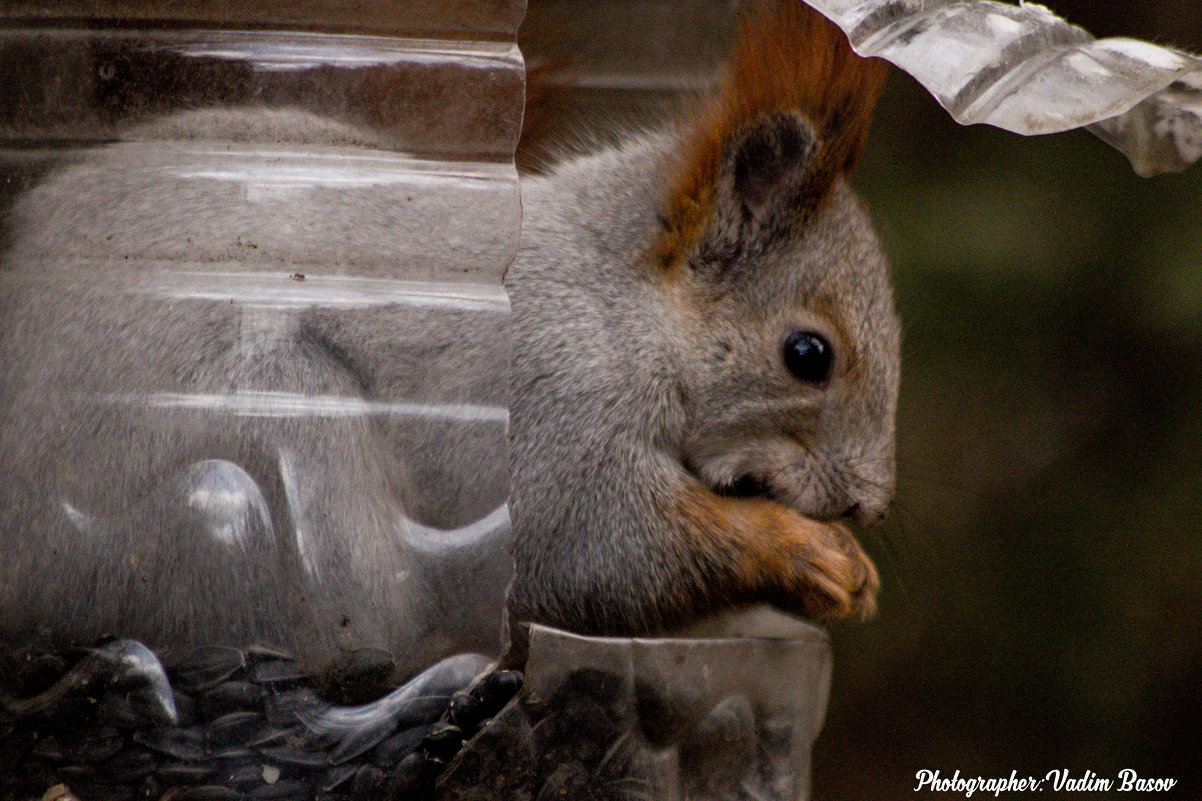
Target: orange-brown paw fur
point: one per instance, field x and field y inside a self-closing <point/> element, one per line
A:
<point x="836" y="578"/>
<point x="803" y="566"/>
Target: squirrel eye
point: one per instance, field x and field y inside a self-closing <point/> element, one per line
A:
<point x="808" y="356"/>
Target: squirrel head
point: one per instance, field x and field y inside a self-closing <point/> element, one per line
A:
<point x="782" y="299"/>
<point x="698" y="313"/>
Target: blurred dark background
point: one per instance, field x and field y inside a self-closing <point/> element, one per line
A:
<point x="1042" y="566"/>
<point x="1043" y="563"/>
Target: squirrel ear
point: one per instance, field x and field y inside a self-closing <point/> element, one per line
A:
<point x="768" y="148"/>
<point x="765" y="170"/>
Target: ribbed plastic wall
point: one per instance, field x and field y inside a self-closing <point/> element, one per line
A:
<point x="253" y="341"/>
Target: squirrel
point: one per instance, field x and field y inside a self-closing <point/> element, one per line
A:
<point x="705" y="365"/>
<point x="703" y="383"/>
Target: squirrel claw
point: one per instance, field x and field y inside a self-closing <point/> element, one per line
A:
<point x="839" y="577"/>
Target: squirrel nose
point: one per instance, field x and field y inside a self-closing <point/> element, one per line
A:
<point x="865" y="516"/>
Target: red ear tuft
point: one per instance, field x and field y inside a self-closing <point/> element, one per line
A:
<point x="787" y="57"/>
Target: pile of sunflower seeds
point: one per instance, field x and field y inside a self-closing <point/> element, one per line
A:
<point x="223" y="724"/>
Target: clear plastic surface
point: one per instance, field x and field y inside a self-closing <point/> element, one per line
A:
<point x="603" y="69"/>
<point x="631" y="46"/>
<point x="1023" y="69"/>
<point x="670" y="719"/>
<point x="253" y="340"/>
<point x="448" y="19"/>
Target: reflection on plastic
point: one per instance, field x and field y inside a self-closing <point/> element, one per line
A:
<point x="284" y="404"/>
<point x="1023" y="69"/>
<point x="125" y="665"/>
<point x="347" y="732"/>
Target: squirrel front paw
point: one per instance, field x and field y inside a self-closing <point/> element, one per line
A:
<point x="834" y="577"/>
<point x="774" y="554"/>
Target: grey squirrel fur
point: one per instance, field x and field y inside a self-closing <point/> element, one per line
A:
<point x="596" y="337"/>
<point x="644" y="387"/>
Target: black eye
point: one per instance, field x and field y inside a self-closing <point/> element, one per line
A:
<point x="808" y="356"/>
